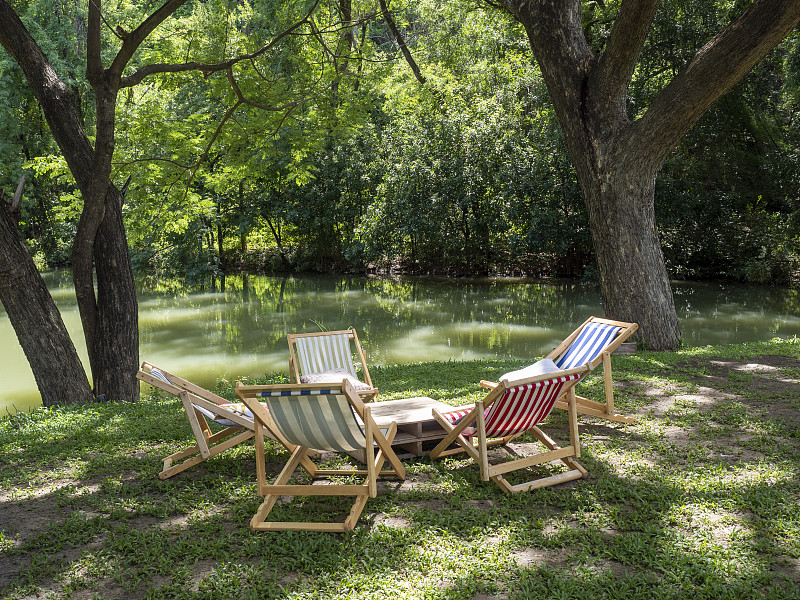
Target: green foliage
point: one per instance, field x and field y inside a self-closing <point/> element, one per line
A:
<point x="329" y="155"/>
<point x="726" y="199"/>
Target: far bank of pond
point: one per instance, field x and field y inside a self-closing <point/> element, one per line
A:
<point x="239" y="328"/>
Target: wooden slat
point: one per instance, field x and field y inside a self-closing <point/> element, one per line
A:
<point x="547" y="481"/>
<point x="529" y="461"/>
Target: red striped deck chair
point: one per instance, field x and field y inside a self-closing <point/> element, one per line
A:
<point x="592" y="344"/>
<point x="511" y="408"/>
<point x="327" y="357"/>
<point x="324" y="417"/>
<point x="202" y="408"/>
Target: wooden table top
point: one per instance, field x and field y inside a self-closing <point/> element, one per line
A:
<point x="406" y="410"/>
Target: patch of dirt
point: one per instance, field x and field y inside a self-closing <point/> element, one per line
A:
<point x="481" y="504"/>
<point x="550" y="559"/>
<point x="23" y="519"/>
<point x="760" y="377"/>
<point x="10" y="568"/>
<point x="789" y="567"/>
<point x="200" y="571"/>
<point x="617" y="569"/>
<point x="390" y="521"/>
<point x="107" y="588"/>
<point x="761" y="384"/>
<point x="431" y="505"/>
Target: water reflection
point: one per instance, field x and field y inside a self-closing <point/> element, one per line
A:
<point x="238" y="327"/>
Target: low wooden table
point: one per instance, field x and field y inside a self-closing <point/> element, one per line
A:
<point x="415" y="422"/>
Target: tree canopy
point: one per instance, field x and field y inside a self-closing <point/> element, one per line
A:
<point x="268" y="135"/>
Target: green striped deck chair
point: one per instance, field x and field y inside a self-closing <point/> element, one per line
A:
<point x="202" y="409"/>
<point x="327" y="357"/>
<point x="324" y="417"/>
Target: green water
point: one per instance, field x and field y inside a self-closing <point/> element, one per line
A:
<point x="239" y="329"/>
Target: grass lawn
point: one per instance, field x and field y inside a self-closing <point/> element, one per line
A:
<point x="699" y="499"/>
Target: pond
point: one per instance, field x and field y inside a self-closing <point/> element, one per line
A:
<point x="239" y="328"/>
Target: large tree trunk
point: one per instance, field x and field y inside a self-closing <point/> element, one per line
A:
<point x="116" y="341"/>
<point x="617" y="159"/>
<point x="633" y="279"/>
<point x="40" y="330"/>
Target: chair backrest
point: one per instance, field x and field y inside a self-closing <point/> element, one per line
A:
<point x="319" y="353"/>
<point x="159" y="374"/>
<point x="322" y="419"/>
<point x="519" y="408"/>
<point x="593" y="338"/>
<point x="210" y="405"/>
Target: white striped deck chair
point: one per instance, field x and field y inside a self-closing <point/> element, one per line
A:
<point x="323" y="417"/>
<point x="510" y="409"/>
<point x="327" y="357"/>
<point x="591" y="344"/>
<point x="202" y="408"/>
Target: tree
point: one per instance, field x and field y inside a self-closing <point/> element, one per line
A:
<point x="617" y="156"/>
<point x="35" y="317"/>
<point x="100" y="256"/>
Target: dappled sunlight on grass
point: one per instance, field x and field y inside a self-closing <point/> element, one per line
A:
<point x="697" y="499"/>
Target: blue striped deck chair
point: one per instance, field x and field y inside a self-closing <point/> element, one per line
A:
<point x="202" y="408"/>
<point x="592" y="344"/>
<point x="513" y="407"/>
<point x="328" y="417"/>
<point x="327" y="357"/>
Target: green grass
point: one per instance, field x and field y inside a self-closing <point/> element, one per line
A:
<point x="699" y="499"/>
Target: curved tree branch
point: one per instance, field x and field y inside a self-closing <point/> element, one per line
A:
<point x="714" y="70"/>
<point x="401" y="42"/>
<point x="616" y="65"/>
<point x="208" y="68"/>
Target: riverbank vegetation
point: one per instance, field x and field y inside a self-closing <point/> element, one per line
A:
<point x="697" y="499"/>
<point x="366" y="169"/>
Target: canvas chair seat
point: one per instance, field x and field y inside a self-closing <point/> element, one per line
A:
<point x="328" y="357"/>
<point x="237" y="407"/>
<point x="335" y="376"/>
<point x="216" y="416"/>
<point x="592" y="344"/>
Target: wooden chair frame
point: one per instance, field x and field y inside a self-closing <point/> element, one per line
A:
<point x="294" y="365"/>
<point x="478" y="450"/>
<point x="377" y="448"/>
<point x="207" y="443"/>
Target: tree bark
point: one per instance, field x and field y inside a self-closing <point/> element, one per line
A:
<point x="116" y="341"/>
<point x="616" y="159"/>
<point x="110" y="315"/>
<point x="58" y="371"/>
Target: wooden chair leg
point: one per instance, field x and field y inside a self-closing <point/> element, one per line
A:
<point x="258" y="520"/>
<point x="216" y="444"/>
<point x="608" y="382"/>
<point x="453" y="433"/>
